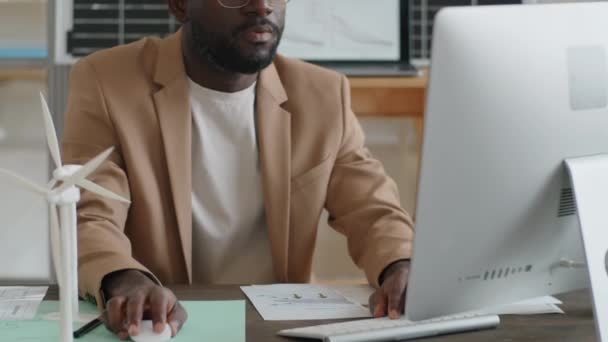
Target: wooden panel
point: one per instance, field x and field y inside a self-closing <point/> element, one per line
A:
<point x="389" y="96"/>
<point x="12" y="74"/>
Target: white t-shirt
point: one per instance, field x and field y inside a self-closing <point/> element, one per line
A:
<point x="229" y="236"/>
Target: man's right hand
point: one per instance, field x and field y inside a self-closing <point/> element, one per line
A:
<point x="132" y="296"/>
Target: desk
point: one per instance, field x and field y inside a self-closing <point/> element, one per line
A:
<point x="576" y="326"/>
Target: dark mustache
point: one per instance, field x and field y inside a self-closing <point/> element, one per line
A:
<point x="256" y="22"/>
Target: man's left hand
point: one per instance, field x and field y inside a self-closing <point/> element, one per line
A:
<point x="389" y="299"/>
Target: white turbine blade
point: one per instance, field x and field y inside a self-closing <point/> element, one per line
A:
<point x="16" y="179"/>
<point x="51" y="184"/>
<point x="55" y="243"/>
<point x="51" y="136"/>
<point x="84" y="171"/>
<point x="92" y="187"/>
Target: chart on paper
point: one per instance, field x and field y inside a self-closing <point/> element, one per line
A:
<point x="342" y="30"/>
<point x="302" y="302"/>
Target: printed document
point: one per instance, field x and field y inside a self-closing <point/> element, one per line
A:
<point x="284" y="302"/>
<point x="19" y="302"/>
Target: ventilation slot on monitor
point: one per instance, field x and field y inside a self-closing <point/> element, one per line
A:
<point x="502" y="273"/>
<point x="567" y="203"/>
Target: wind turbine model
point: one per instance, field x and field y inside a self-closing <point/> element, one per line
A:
<point x="63" y="227"/>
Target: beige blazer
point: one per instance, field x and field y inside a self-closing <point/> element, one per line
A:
<point x="136" y="98"/>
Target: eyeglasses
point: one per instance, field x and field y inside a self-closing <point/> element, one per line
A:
<point x="243" y="3"/>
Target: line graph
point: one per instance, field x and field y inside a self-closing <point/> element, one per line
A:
<point x="342" y="30"/>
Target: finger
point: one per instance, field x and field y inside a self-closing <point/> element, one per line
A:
<point x="395" y="298"/>
<point x="402" y="302"/>
<point x="123" y="335"/>
<point x="371" y="303"/>
<point x="159" y="299"/>
<point x="135" y="311"/>
<point x="114" y="317"/>
<point x="380" y="303"/>
<point x="177" y="317"/>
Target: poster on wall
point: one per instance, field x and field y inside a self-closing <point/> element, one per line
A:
<point x="342" y="30"/>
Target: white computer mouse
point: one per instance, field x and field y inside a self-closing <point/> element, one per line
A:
<point x="147" y="334"/>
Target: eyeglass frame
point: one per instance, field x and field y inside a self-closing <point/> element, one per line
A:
<point x="247" y="3"/>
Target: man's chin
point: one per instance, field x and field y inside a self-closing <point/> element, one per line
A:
<point x="252" y="63"/>
<point x="256" y="51"/>
<point x="241" y="64"/>
<point x="252" y="66"/>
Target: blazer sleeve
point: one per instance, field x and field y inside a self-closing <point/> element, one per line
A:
<point x="363" y="202"/>
<point x="103" y="247"/>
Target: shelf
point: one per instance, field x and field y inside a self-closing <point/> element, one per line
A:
<point x="23" y="73"/>
<point x="389" y="96"/>
<point x="419" y="82"/>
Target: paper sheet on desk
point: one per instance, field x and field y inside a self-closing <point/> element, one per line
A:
<point x="284" y="302"/>
<point x="534" y="306"/>
<point x="20" y="302"/>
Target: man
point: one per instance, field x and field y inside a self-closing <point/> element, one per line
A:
<point x="228" y="154"/>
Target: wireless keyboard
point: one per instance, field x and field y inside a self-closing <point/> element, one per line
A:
<point x="384" y="329"/>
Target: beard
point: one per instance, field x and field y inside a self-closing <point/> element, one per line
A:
<point x="222" y="50"/>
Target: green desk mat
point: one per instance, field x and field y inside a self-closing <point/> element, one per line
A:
<point x="207" y="321"/>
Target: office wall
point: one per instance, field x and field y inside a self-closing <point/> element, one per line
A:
<point x="24" y="248"/>
<point x="22" y="23"/>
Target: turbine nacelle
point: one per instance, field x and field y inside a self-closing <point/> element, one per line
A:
<point x="62" y="173"/>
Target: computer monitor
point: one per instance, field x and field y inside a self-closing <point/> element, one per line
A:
<point x="514" y="91"/>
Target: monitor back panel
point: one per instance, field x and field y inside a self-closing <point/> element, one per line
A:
<point x="514" y="90"/>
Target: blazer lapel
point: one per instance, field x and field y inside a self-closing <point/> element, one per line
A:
<point x="274" y="139"/>
<point x="173" y="109"/>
